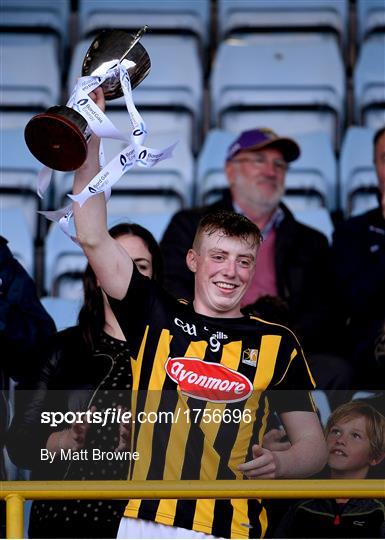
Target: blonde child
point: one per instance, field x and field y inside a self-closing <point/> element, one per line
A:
<point x="355" y="437"/>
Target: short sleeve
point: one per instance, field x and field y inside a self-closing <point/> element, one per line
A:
<point x="133" y="311"/>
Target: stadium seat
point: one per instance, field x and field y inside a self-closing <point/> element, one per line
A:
<point x="291" y="84"/>
<point x="358" y="180"/>
<point x="14" y="227"/>
<point x="167" y="187"/>
<point x="64" y="311"/>
<point x="170" y="123"/>
<point x="19" y="170"/>
<point x="311" y="180"/>
<point x="370" y="18"/>
<point x="155" y="223"/>
<point x="211" y="180"/>
<point x="190" y="17"/>
<point x="369" y="83"/>
<point x="64" y="265"/>
<point x="166" y="89"/>
<point x="31" y="78"/>
<point x="37" y="16"/>
<point x="236" y="17"/>
<point x="11" y="119"/>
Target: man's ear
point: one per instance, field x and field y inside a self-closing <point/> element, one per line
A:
<point x="191" y="260"/>
<point x="376" y="461"/>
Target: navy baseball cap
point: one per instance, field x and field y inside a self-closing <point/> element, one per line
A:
<point x="256" y="139"/>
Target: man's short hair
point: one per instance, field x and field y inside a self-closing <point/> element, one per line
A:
<point x="230" y="224"/>
<point x="375" y="423"/>
<point x="379" y="133"/>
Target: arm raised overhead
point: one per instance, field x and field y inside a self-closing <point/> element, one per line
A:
<point x="111" y="263"/>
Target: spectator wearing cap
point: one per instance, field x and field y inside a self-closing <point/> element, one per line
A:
<point x="293" y="263"/>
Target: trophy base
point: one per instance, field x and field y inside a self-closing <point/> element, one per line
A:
<point x="56" y="138"/>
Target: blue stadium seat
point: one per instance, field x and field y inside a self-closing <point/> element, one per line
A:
<point x="64" y="311"/>
<point x="155" y="223"/>
<point x="358" y="180"/>
<point x="166" y="90"/>
<point x="211" y="180"/>
<point x="30" y="72"/>
<point x="169" y="123"/>
<point x="369" y="83"/>
<point x="64" y="264"/>
<point x="14" y="227"/>
<point x="37" y="16"/>
<point x="370" y="18"/>
<point x="15" y="119"/>
<point x="242" y="16"/>
<point x="292" y="84"/>
<point x="19" y="170"/>
<point x="168" y="16"/>
<point x="311" y="181"/>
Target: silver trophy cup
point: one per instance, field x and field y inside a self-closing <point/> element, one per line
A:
<point x="58" y="137"/>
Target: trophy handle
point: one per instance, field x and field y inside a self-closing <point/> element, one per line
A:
<point x="135" y="40"/>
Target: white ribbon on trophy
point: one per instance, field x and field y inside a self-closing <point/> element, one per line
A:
<point x="135" y="153"/>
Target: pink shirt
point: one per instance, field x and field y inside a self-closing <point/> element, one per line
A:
<point x="265" y="279"/>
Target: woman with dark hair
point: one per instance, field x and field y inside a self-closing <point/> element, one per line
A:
<point x="145" y="252"/>
<point x="85" y="368"/>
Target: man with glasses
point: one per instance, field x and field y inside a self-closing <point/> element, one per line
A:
<point x="291" y="282"/>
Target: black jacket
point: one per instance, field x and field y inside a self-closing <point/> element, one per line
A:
<point x="73" y="379"/>
<point x="323" y="518"/>
<point x="67" y="382"/>
<point x="302" y="260"/>
<point x="359" y="265"/>
<point x="24" y="324"/>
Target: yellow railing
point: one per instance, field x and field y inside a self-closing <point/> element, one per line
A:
<point x="15" y="493"/>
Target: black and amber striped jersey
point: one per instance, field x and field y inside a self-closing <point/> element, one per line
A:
<point x="202" y="391"/>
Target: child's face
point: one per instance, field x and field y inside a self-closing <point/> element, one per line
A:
<point x="349" y="448"/>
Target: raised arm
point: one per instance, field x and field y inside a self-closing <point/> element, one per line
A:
<point x="110" y="262"/>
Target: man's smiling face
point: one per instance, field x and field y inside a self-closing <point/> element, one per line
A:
<point x="257" y="178"/>
<point x="223" y="267"/>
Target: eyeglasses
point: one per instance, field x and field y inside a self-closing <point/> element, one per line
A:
<point x="260" y="161"/>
